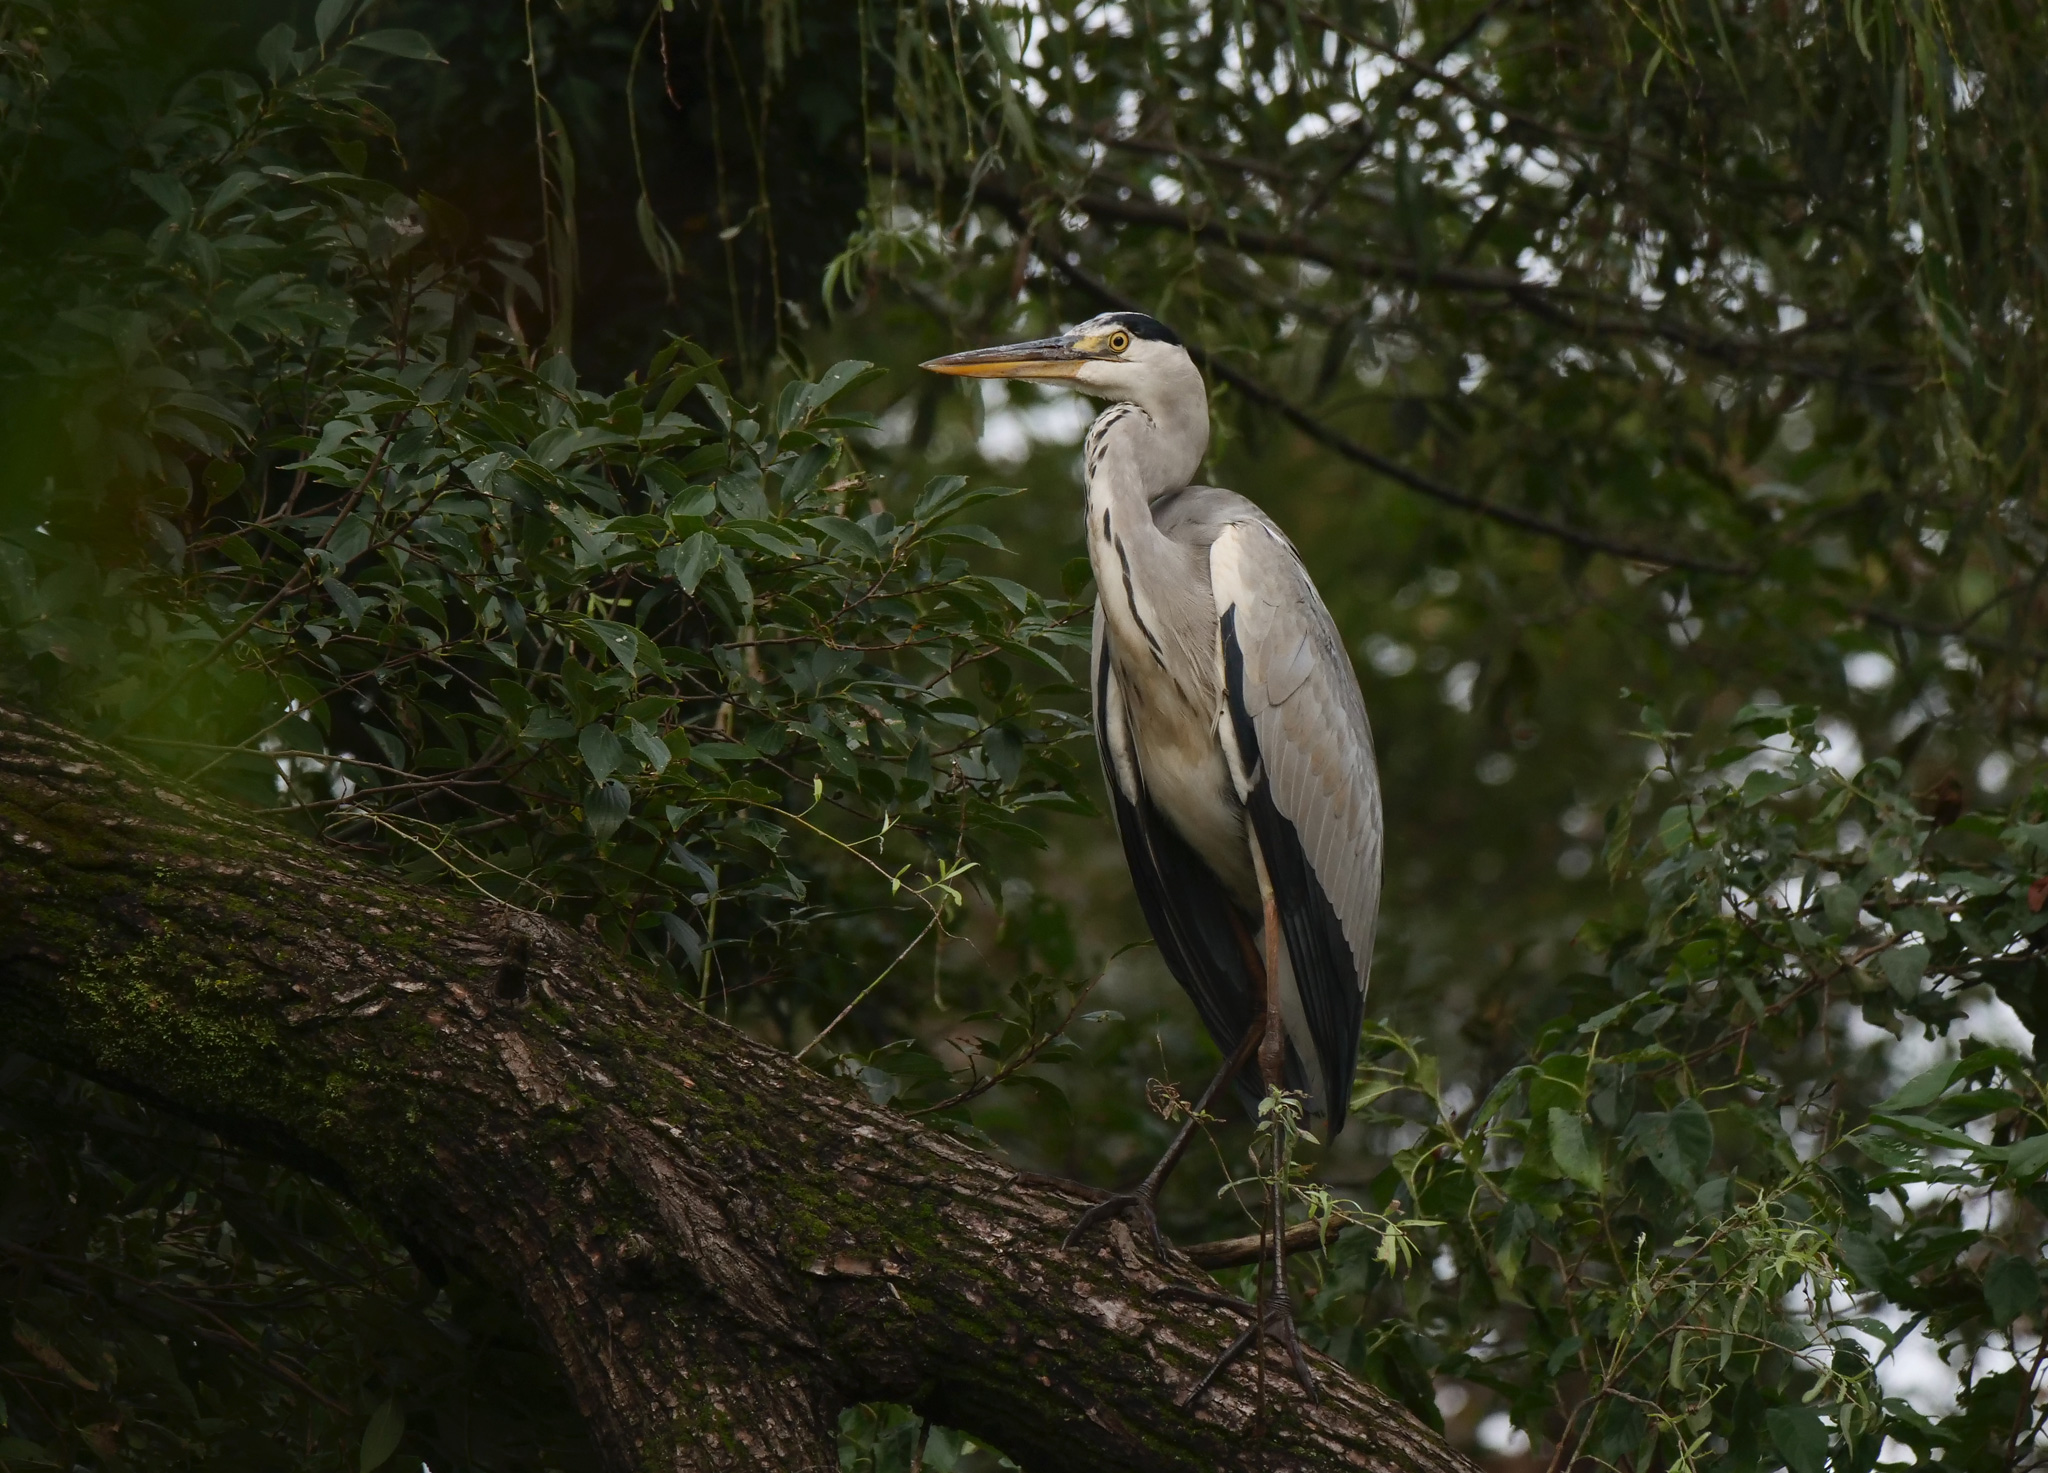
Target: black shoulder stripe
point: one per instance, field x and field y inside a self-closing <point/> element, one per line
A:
<point x="1324" y="970"/>
<point x="1233" y="686"/>
<point x="1325" y="973"/>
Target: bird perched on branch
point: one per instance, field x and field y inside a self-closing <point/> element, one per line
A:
<point x="1235" y="743"/>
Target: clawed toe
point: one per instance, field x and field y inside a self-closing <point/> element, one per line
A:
<point x="1117" y="1206"/>
<point x="1277" y="1322"/>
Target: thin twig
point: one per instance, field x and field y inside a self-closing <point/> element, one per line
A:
<point x="1351" y="450"/>
<point x="983" y="1085"/>
<point x="879" y="978"/>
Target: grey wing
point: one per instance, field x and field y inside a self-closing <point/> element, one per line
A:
<point x="1191" y="916"/>
<point x="1305" y="766"/>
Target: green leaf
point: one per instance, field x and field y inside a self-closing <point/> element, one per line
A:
<point x="167" y="193"/>
<point x="941" y="497"/>
<point x="688" y="562"/>
<point x="1676" y="1150"/>
<point x="606" y="810"/>
<point x="1762" y="785"/>
<point x="331" y="16"/>
<point x="1694" y="1133"/>
<point x="1005" y="749"/>
<point x="381" y="1437"/>
<point x="2012" y="1287"/>
<point x="1800" y="1437"/>
<point x="236" y="186"/>
<point x="1841" y="904"/>
<point x="648" y="745"/>
<point x="409" y="44"/>
<point x="1922" y="1089"/>
<point x="1865" y="1258"/>
<point x="2028" y="1159"/>
<point x="850" y="535"/>
<point x="548" y="726"/>
<point x="558" y="447"/>
<point x="601" y="751"/>
<point x="275" y="51"/>
<point x="1903" y="967"/>
<point x="802" y="476"/>
<point x="838" y="379"/>
<point x="621" y="641"/>
<point x="345" y="600"/>
<point x="1574" y="1155"/>
<point x="736" y="580"/>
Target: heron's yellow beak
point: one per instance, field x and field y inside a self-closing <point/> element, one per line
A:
<point x="1044" y="358"/>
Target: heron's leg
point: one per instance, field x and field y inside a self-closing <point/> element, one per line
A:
<point x="1278" y="1315"/>
<point x="1144" y="1197"/>
<point x="1273" y="1314"/>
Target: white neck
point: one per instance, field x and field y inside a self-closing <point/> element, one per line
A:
<point x="1144" y="448"/>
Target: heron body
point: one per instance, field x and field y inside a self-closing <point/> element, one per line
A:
<point x="1231" y="726"/>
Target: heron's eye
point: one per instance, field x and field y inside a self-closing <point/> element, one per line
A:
<point x="1118" y="341"/>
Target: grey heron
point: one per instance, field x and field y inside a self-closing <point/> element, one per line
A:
<point x="1234" y="739"/>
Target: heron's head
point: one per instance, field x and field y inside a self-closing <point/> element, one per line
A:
<point x="1119" y="355"/>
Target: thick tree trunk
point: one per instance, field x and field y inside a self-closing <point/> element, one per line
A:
<point x="722" y="1248"/>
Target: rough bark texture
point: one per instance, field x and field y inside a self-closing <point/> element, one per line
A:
<point x="722" y="1248"/>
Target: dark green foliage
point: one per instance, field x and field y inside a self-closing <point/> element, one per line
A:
<point x="582" y="651"/>
<point x="302" y="498"/>
<point x="295" y="509"/>
<point x="1649" y="1230"/>
<point x="1689" y="348"/>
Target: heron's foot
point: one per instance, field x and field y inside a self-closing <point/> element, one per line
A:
<point x="1140" y="1202"/>
<point x="1277" y="1321"/>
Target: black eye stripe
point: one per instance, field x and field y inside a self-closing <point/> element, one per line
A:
<point x="1141" y="326"/>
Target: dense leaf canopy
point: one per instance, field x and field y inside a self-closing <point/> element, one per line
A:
<point x="444" y="454"/>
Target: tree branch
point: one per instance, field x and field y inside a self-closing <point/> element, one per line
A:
<point x="720" y="1248"/>
<point x="1334" y="439"/>
<point x="1561" y="305"/>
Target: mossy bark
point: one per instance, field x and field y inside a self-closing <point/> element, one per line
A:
<point x="721" y="1248"/>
